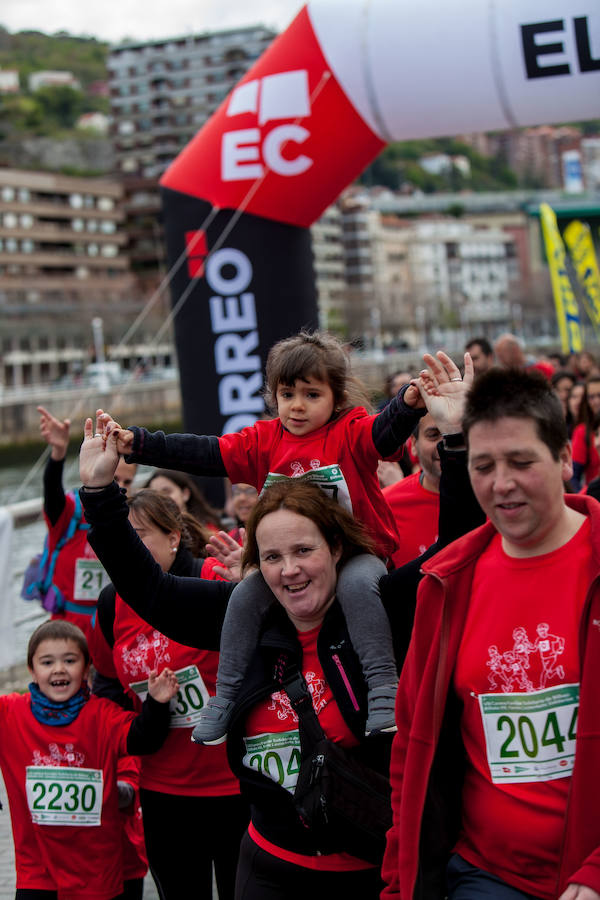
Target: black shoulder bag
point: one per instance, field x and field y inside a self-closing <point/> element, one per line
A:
<point x="345" y="803"/>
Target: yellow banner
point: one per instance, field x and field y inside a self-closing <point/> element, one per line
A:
<point x="567" y="310"/>
<point x="578" y="239"/>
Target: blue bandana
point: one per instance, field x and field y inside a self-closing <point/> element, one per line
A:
<point x="52" y="712"/>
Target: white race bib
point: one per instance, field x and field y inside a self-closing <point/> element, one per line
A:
<point x="276" y="755"/>
<point x="60" y="795"/>
<point x="191" y="697"/>
<point x="530" y="737"/>
<point x="90" y="578"/>
<point x="329" y="478"/>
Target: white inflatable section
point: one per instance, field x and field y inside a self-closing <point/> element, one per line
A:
<point x="432" y="68"/>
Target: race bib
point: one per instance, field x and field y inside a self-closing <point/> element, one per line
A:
<point x="329" y="478"/>
<point x="530" y="737"/>
<point x="59" y="795"/>
<point x="190" y="700"/>
<point x="90" y="578"/>
<point x="275" y="755"/>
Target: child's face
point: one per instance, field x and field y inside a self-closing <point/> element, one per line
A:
<point x="58" y="668"/>
<point x="304" y="406"/>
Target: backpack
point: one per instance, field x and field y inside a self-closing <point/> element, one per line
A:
<point x="37" y="580"/>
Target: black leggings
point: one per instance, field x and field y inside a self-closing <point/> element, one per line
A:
<point x="186" y="835"/>
<point x="262" y="876"/>
<point x="133" y="890"/>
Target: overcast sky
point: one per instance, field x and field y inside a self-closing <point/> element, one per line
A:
<point x="141" y="19"/>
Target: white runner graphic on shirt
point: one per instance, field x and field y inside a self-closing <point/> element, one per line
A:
<point x="514" y="669"/>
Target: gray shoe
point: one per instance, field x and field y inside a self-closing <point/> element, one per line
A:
<point x="381" y="704"/>
<point x="214" y="722"/>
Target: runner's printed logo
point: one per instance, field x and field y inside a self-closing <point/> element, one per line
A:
<point x="146" y="655"/>
<point x="57" y="756"/>
<point x="516" y="669"/>
<point x="280" y="702"/>
<point x="246" y="152"/>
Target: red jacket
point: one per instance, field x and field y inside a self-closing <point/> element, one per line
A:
<point x="427" y="754"/>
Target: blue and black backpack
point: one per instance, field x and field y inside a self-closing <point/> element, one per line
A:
<point x="37" y="580"/>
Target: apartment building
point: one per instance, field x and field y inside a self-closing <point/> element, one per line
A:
<point x="162" y="92"/>
<point x="62" y="262"/>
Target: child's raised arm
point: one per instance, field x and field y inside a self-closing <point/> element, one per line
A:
<point x="163" y="687"/>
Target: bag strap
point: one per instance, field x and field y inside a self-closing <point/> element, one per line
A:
<point x="296" y="688"/>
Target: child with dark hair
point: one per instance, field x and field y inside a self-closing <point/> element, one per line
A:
<point x="60" y="768"/>
<point x="323" y="435"/>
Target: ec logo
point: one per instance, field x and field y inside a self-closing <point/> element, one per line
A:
<point x="281" y="96"/>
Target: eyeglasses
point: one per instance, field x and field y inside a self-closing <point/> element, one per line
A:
<point x="245" y="489"/>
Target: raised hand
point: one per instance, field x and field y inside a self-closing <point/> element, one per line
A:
<point x="124" y="437"/>
<point x="444" y="389"/>
<point x="163" y="687"/>
<point x="229" y="553"/>
<point x="98" y="456"/>
<point x="55" y="433"/>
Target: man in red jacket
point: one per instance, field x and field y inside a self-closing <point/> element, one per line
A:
<point x="495" y="786"/>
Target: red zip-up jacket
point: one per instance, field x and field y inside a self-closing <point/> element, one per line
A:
<point x="427" y="753"/>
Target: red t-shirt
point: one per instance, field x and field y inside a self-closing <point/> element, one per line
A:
<point x="81" y="862"/>
<point x="587" y="456"/>
<point x="78" y="572"/>
<point x="179" y="767"/>
<point x="273" y="748"/>
<point x="341" y="457"/>
<point x="416" y="511"/>
<point x="517" y="675"/>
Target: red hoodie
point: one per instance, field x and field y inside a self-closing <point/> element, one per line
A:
<point x="424" y="696"/>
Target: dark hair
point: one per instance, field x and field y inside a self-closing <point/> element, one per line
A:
<point x="336" y="525"/>
<point x="560" y="374"/>
<point x="483" y="343"/>
<point x="197" y="505"/>
<point x="161" y="511"/>
<point x="57" y="630"/>
<point x="519" y="394"/>
<point x="314" y="354"/>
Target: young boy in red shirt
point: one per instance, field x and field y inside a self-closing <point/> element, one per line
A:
<point x="60" y="769"/>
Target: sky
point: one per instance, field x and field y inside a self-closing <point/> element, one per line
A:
<point x="113" y="20"/>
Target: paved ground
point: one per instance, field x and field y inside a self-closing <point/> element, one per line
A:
<point x="13" y="679"/>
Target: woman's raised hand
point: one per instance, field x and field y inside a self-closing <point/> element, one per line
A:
<point x="444" y="389"/>
<point x="229" y="553"/>
<point x="98" y="457"/>
<point x="55" y="433"/>
<point x="124" y="437"/>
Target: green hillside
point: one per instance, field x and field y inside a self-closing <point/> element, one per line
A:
<point x="29" y="51"/>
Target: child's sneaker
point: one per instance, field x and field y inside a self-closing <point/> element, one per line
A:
<point x="381" y="703"/>
<point x="214" y="722"/>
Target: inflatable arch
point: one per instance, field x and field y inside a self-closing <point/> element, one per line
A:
<point x="344" y="79"/>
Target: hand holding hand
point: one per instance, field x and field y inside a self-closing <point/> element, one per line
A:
<point x="163" y="687"/>
<point x="229" y="553"/>
<point x="123" y="436"/>
<point x="444" y="390"/>
<point x="98" y="456"/>
<point x="55" y="433"/>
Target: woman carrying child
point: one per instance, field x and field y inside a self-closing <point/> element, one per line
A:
<point x="177" y="784"/>
<point x="59" y="760"/>
<point x="323" y="436"/>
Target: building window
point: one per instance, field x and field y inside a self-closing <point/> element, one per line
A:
<point x="8" y="194"/>
<point x="76" y="201"/>
<point x="77" y="224"/>
<point x="9" y="220"/>
<point x="106" y="203"/>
